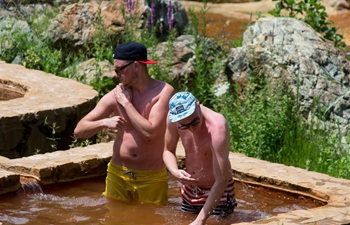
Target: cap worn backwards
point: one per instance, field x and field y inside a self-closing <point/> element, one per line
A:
<point x="181" y="105"/>
<point x="132" y="51"/>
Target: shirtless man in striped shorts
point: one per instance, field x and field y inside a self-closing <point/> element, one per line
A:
<point x="207" y="185"/>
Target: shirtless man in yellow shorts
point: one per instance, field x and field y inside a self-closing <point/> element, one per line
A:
<point x="138" y="106"/>
<point x="207" y="185"/>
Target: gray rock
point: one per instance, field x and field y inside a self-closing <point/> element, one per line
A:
<point x="313" y="67"/>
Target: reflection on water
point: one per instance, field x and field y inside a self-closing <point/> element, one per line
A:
<point x="81" y="202"/>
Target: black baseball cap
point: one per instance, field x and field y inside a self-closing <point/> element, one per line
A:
<point x="132" y="51"/>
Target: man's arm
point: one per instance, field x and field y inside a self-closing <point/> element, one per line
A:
<point x="157" y="115"/>
<point x="98" y="118"/>
<point x="171" y="140"/>
<point x="222" y="171"/>
<point x="169" y="156"/>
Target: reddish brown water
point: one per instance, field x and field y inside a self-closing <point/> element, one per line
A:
<point x="81" y="202"/>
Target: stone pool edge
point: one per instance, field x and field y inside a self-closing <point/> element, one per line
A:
<point x="91" y="161"/>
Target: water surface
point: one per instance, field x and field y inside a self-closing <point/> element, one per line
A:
<point x="81" y="202"/>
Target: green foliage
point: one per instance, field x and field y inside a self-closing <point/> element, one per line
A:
<point x="130" y="25"/>
<point x="208" y="63"/>
<point x="194" y="22"/>
<point x="53" y="127"/>
<point x="162" y="71"/>
<point x="80" y="143"/>
<point x="311" y="12"/>
<point x="259" y="120"/>
<point x="41" y="21"/>
<point x="102" y="84"/>
<point x="265" y="123"/>
<point x="14" y="42"/>
<point x="42" y="57"/>
<point x="321" y="148"/>
<point x="207" y="69"/>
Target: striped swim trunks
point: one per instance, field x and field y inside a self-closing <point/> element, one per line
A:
<point x="193" y="199"/>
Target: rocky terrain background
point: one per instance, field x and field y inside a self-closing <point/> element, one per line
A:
<point x="284" y="48"/>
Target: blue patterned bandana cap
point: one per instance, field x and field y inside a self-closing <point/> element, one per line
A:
<point x="181" y="105"/>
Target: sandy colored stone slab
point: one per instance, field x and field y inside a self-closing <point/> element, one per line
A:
<point x="63" y="166"/>
<point x="44" y="112"/>
<point x="43" y="91"/>
<point x="9" y="182"/>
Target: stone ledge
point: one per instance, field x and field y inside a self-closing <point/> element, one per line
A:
<point x="63" y="166"/>
<point x="39" y="110"/>
<point x="334" y="191"/>
<point x="44" y="91"/>
<point x="80" y="163"/>
<point x="9" y="182"/>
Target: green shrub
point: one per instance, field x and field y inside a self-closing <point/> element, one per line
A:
<point x="311" y="12"/>
<point x="15" y="42"/>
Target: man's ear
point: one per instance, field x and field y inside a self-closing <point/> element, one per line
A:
<point x="136" y="65"/>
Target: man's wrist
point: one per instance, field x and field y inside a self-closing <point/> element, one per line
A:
<point x="126" y="104"/>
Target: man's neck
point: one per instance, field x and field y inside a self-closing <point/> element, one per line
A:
<point x="143" y="85"/>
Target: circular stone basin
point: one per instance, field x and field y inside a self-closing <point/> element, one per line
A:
<point x="10" y="90"/>
<point x="39" y="111"/>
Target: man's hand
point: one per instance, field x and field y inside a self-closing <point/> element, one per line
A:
<point x="183" y="177"/>
<point x="197" y="222"/>
<point x="123" y="94"/>
<point x="115" y="122"/>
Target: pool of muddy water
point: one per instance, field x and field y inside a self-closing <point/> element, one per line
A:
<point x="80" y="202"/>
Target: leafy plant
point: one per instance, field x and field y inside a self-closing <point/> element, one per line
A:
<point x="42" y="57"/>
<point x="311" y="12"/>
<point x="14" y="42"/>
<point x="208" y="62"/>
<point x="53" y="127"/>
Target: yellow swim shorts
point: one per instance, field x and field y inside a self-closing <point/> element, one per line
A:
<point x="146" y="186"/>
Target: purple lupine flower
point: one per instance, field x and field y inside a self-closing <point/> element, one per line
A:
<point x="153" y="13"/>
<point x="348" y="53"/>
<point x="170" y="15"/>
<point x="130" y="5"/>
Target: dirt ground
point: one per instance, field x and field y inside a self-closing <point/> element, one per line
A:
<point x="235" y="10"/>
<point x="243" y="11"/>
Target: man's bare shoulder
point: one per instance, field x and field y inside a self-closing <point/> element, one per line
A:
<point x="109" y="98"/>
<point x="109" y="95"/>
<point x="167" y="90"/>
<point x="216" y="121"/>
